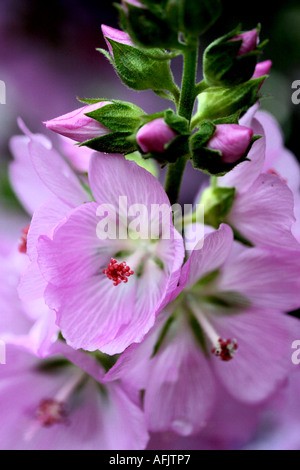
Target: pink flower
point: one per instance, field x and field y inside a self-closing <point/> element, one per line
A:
<point x="64" y="404"/>
<point x="77" y="126"/>
<point x="221" y="328"/>
<point x="49" y="189"/>
<point x="116" y="35"/>
<point x="154" y="136"/>
<point x="231" y="140"/>
<point x="100" y="289"/>
<point x="249" y="39"/>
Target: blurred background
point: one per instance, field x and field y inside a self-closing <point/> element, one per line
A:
<point x="48" y="58"/>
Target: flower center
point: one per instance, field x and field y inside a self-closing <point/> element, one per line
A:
<point x="225" y="349"/>
<point x="118" y="272"/>
<point x="51" y="412"/>
<point x="23" y="240"/>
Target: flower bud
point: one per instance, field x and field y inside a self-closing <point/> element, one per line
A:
<point x="262" y="69"/>
<point x="249" y="40"/>
<point x="77" y="126"/>
<point x="154" y="136"/>
<point x="134" y="67"/>
<point x="135" y="3"/>
<point x="231" y="59"/>
<point x="231" y="140"/>
<point x="115" y="35"/>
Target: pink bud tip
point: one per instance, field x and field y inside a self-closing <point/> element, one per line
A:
<point x="116" y="35"/>
<point x="77" y="126"/>
<point x="154" y="136"/>
<point x="250" y="41"/>
<point x="231" y="140"/>
<point x="135" y="3"/>
<point x="262" y="68"/>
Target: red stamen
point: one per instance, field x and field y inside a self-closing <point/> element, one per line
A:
<point x="226" y="349"/>
<point x="23" y="241"/>
<point x="118" y="272"/>
<point x="51" y="412"/>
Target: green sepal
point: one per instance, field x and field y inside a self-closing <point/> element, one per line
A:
<point x="217" y="204"/>
<point x="106" y="55"/>
<point x="227" y="302"/>
<point x="233" y="119"/>
<point x="140" y="71"/>
<point x="92" y="100"/>
<point x="177" y="123"/>
<point x="148" y="164"/>
<point x="150" y="117"/>
<point x="223" y="67"/>
<point x="218" y="102"/>
<point x="119" y="116"/>
<point x="157" y="7"/>
<point x="148" y="30"/>
<point x="177" y="148"/>
<point x="114" y="142"/>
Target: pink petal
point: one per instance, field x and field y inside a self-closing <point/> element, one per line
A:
<point x="262" y="361"/>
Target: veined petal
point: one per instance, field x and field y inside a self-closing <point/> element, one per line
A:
<point x="263" y="359"/>
<point x="57" y="175"/>
<point x="265" y="213"/>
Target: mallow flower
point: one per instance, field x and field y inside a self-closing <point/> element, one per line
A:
<point x="62" y="403"/>
<point x="221" y="327"/>
<point x="106" y="274"/>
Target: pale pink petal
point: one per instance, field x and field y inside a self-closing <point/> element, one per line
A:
<point x="31" y="191"/>
<point x="263" y="359"/>
<point x="265" y="213"/>
<point x="216" y="248"/>
<point x="57" y="175"/>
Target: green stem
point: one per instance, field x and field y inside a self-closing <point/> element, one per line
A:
<point x="188" y="93"/>
<point x="186" y="106"/>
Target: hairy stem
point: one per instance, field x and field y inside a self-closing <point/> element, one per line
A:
<point x="185" y="109"/>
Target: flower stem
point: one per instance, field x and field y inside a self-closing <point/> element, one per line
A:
<point x="185" y="109"/>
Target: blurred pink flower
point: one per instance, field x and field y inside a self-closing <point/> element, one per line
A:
<point x="67" y="407"/>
